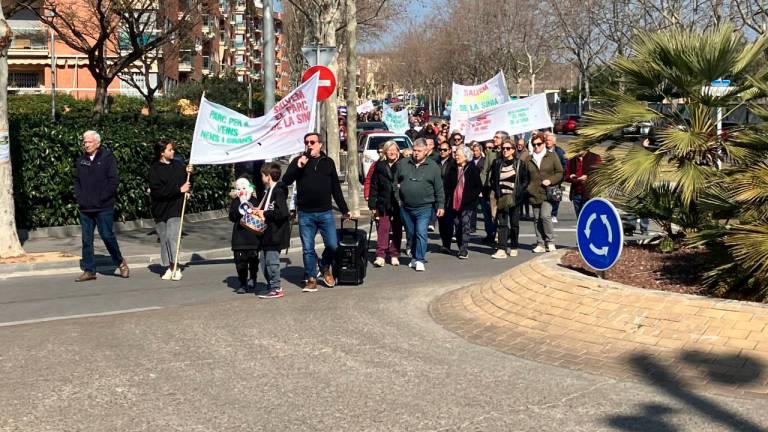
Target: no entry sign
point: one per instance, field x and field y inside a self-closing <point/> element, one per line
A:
<point x="327" y="84"/>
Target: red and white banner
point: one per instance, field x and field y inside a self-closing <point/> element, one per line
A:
<point x="515" y="117"/>
<point x="469" y="101"/>
<point x="225" y="136"/>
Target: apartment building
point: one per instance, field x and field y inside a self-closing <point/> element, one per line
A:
<point x="226" y="40"/>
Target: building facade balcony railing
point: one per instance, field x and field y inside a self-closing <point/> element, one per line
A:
<point x="32" y="39"/>
<point x="185" y="60"/>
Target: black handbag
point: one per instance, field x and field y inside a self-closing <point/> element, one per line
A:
<point x="554" y="194"/>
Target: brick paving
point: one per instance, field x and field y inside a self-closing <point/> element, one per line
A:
<point x="544" y="312"/>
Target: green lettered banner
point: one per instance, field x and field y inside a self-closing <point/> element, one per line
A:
<point x="225" y="136"/>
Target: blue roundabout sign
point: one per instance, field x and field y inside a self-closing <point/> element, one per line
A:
<point x="599" y="234"/>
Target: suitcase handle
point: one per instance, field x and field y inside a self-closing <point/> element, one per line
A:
<point x="351" y="219"/>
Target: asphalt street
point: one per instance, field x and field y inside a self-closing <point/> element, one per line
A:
<point x="148" y="355"/>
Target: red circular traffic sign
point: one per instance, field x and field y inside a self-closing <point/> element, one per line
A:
<point x="327" y="84"/>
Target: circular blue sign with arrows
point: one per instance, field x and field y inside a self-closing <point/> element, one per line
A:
<point x="599" y="234"/>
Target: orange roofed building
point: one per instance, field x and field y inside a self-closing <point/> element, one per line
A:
<point x="227" y="40"/>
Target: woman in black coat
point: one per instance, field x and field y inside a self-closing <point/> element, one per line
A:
<point x="465" y="186"/>
<point x="508" y="176"/>
<point x="382" y="200"/>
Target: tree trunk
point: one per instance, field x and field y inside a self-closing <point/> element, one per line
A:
<point x="588" y="101"/>
<point x="533" y="84"/>
<point x="101" y="101"/>
<point x="518" y="82"/>
<point x="352" y="180"/>
<point x="9" y="239"/>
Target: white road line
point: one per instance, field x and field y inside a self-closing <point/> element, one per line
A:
<point x="59" y="318"/>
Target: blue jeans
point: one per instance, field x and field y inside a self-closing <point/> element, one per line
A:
<point x="102" y="220"/>
<point x="578" y="203"/>
<point x="490" y="226"/>
<point x="271" y="263"/>
<point x="415" y="221"/>
<point x="309" y="224"/>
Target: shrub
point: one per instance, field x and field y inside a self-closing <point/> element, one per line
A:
<point x="44" y="155"/>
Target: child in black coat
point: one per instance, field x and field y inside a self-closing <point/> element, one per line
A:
<point x="245" y="243"/>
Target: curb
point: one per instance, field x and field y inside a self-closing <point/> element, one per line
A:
<point x="72" y="266"/>
<point x="119" y="227"/>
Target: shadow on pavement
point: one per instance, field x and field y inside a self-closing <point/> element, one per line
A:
<point x="720" y="369"/>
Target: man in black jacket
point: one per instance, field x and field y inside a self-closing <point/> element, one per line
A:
<point x="447" y="170"/>
<point x="316" y="182"/>
<point x="96" y="181"/>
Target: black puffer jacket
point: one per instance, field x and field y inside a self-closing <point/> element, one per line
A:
<point x="382" y="196"/>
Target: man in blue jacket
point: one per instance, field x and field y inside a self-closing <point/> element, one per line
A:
<point x="96" y="181"/>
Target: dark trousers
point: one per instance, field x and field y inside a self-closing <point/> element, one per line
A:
<point x="103" y="221"/>
<point x="247" y="261"/>
<point x="446" y="227"/>
<point x="508" y="223"/>
<point x="462" y="220"/>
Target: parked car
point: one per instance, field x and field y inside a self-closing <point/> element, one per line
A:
<point x="567" y="124"/>
<point x="369" y="144"/>
<point x="370" y="126"/>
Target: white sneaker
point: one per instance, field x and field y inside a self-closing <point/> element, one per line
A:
<point x="379" y="262"/>
<point x="412" y="264"/>
<point x="431" y="228"/>
<point x="420" y="266"/>
<point x="395" y="262"/>
<point x="551" y="247"/>
<point x="539" y="249"/>
<point x="500" y="254"/>
<point x="167" y="275"/>
<point x="512" y="252"/>
<point x="554" y="219"/>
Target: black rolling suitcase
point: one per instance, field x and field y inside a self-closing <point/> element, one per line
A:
<point x="351" y="257"/>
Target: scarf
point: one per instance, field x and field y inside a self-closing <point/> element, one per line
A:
<point x="537" y="157"/>
<point x="458" y="193"/>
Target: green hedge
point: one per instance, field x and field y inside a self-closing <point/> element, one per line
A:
<point x="44" y="154"/>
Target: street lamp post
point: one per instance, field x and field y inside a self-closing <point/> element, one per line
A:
<point x="53" y="70"/>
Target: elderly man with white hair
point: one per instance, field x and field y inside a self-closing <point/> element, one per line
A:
<point x="96" y="182"/>
<point x="464" y="186"/>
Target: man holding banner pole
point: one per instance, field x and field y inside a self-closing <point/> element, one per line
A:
<point x="316" y="182"/>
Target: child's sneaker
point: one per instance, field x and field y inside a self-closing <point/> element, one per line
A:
<point x="278" y="293"/>
<point x="379" y="262"/>
<point x="395" y="261"/>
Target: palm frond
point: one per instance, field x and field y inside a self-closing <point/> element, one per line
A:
<point x="749" y="245"/>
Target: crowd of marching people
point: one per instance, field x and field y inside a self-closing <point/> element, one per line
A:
<point x="441" y="182"/>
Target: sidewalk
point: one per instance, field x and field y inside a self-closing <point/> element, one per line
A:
<point x="202" y="241"/>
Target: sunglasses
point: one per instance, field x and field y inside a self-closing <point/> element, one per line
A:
<point x="538" y="143"/>
<point x="445" y="149"/>
<point x="497" y="137"/>
<point x="507" y="148"/>
<point x="310" y="142"/>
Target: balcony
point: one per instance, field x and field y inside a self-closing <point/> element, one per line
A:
<point x="185" y="60"/>
<point x="30" y="41"/>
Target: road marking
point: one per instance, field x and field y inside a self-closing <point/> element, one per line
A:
<point x="66" y="317"/>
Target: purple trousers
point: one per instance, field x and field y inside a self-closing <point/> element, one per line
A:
<point x="385" y="242"/>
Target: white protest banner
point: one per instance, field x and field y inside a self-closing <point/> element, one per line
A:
<point x="515" y="117"/>
<point x="469" y="101"/>
<point x="366" y="107"/>
<point x="225" y="136"/>
<point x="397" y="121"/>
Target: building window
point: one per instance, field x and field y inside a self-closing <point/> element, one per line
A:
<point x="24" y="79"/>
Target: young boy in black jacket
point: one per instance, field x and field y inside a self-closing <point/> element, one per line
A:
<point x="273" y="209"/>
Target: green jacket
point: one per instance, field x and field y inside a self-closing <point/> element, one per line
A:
<point x="420" y="186"/>
<point x="550" y="169"/>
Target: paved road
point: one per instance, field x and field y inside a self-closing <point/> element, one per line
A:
<point x="348" y="358"/>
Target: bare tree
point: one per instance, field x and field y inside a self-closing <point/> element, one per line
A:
<point x="113" y="34"/>
<point x="9" y="239"/>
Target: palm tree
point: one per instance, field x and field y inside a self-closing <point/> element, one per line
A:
<point x="681" y="184"/>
